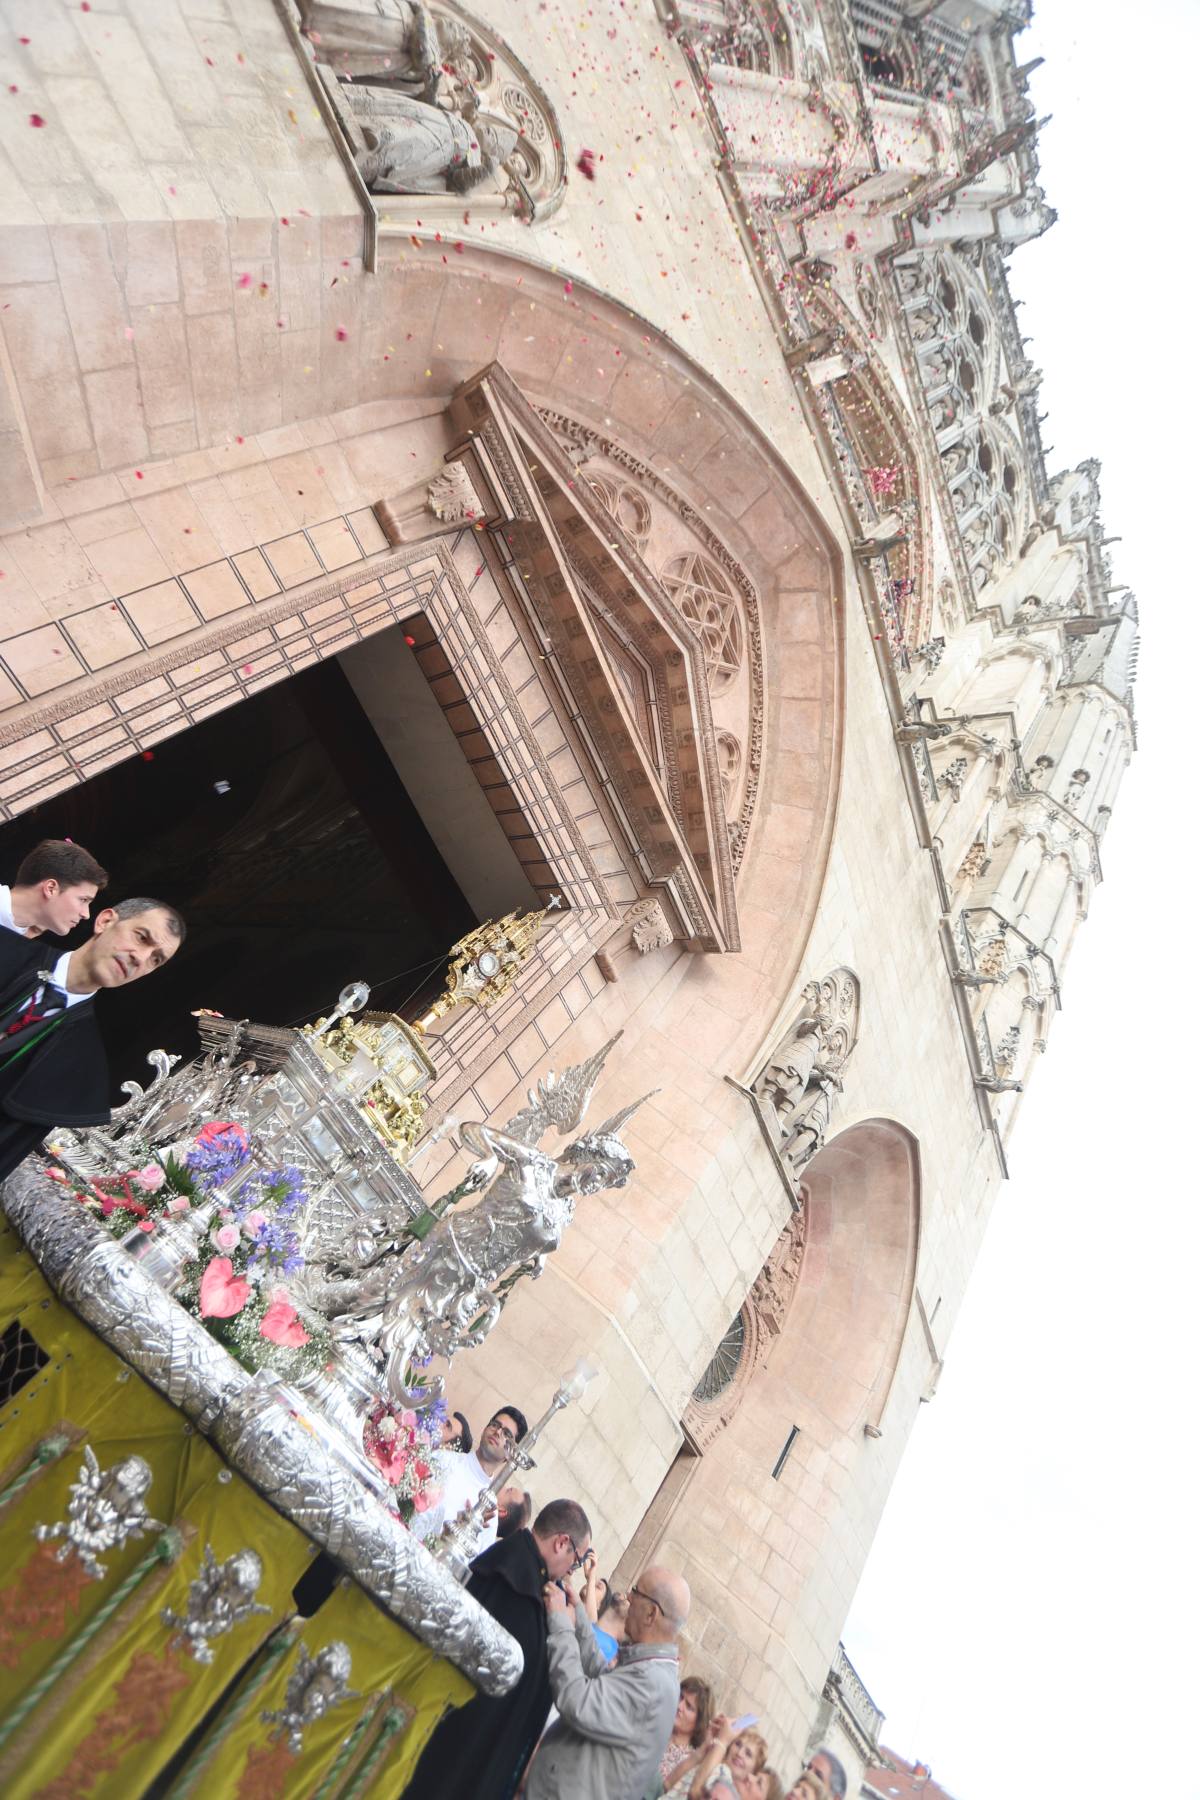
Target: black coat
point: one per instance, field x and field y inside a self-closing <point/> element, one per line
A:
<point x="480" y="1751"/>
<point x="63" y="1079"/>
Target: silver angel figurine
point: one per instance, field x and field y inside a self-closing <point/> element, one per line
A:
<point x="317" y="1685"/>
<point x="106" y="1508"/>
<point x="446" y="1293"/>
<point x="220" y="1597"/>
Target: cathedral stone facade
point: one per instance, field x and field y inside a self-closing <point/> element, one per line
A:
<point x="633" y="402"/>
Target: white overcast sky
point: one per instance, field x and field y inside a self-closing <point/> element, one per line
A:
<point x="1028" y="1617"/>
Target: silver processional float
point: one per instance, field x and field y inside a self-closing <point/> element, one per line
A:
<point x="251" y="1235"/>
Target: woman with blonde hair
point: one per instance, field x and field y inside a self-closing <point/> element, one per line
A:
<point x="731" y="1765"/>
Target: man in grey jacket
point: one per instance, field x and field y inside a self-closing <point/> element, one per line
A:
<point x="613" y="1721"/>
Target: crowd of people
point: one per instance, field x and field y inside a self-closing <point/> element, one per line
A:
<point x="600" y="1711"/>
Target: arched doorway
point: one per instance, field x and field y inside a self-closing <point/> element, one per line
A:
<point x="771" y="1505"/>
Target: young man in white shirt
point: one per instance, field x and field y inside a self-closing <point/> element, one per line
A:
<point x="463" y="1476"/>
<point x="53" y="891"/>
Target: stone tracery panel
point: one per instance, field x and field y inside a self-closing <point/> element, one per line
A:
<point x="706" y="600"/>
<point x="633" y="492"/>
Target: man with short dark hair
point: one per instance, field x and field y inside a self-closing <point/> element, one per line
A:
<point x="464" y="1476"/>
<point x="53" y="890"/>
<point x="53" y="1069"/>
<point x="480" y="1752"/>
<point x="514" y="1510"/>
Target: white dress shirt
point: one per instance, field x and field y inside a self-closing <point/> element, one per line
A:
<point x="463" y="1477"/>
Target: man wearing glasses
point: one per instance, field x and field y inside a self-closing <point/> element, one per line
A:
<point x="614" y="1722"/>
<point x="466" y="1475"/>
<point x="480" y="1752"/>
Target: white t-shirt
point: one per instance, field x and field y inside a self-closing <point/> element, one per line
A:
<point x="6" y="912"/>
<point x="463" y="1477"/>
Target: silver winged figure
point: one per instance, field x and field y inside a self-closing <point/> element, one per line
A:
<point x="446" y="1293"/>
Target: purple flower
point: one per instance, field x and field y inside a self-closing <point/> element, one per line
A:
<point x="218" y="1152"/>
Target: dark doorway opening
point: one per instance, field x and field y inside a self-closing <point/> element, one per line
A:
<point x="284" y="834"/>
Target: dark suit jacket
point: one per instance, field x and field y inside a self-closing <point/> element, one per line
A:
<point x="480" y="1752"/>
<point x="63" y="1080"/>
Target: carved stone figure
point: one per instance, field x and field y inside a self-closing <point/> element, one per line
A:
<point x="797" y="1087"/>
<point x="803" y="1142"/>
<point x="392" y="41"/>
<point x="220" y="1597"/>
<point x="414" y="148"/>
<point x="442" y="1294"/>
<point x="105" y="1509"/>
<point x="318" y="1684"/>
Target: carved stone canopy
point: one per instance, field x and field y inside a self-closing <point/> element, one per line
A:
<point x="635" y="668"/>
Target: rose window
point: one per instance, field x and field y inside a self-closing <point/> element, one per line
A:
<point x="705" y="598"/>
<point x="726" y="1360"/>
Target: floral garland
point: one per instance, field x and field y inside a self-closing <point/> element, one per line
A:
<point x="238" y="1286"/>
<point x="405" y="1447"/>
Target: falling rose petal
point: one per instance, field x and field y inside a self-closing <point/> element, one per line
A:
<point x="138" y="475"/>
<point x="341" y="334"/>
<point x="36" y="119"/>
<point x="568" y="287"/>
<point x="129" y="331"/>
<point x="586" y="164"/>
<point x="243" y="281"/>
<point x="13" y="88"/>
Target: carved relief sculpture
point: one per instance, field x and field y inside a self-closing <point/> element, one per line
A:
<point x="796" y="1089"/>
<point x="436" y="105"/>
<point x="651" y="927"/>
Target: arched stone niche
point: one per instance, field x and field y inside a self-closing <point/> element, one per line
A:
<point x="774" y="1458"/>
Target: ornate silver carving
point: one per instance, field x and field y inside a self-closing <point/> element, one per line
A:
<point x="317" y="1684"/>
<point x="446" y="1293"/>
<point x="106" y="1508"/>
<point x="220" y="1597"/>
<point x="259" y="1437"/>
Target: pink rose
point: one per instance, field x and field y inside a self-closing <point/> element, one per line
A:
<point x="408" y="1418"/>
<point x="55" y="1175"/>
<point x="180" y="1204"/>
<point x="421" y="1500"/>
<point x="222" y="1293"/>
<point x="254" y="1221"/>
<point x="146" y="1225"/>
<point x="151" y="1178"/>
<point x="281" y="1324"/>
<point x="227" y="1237"/>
